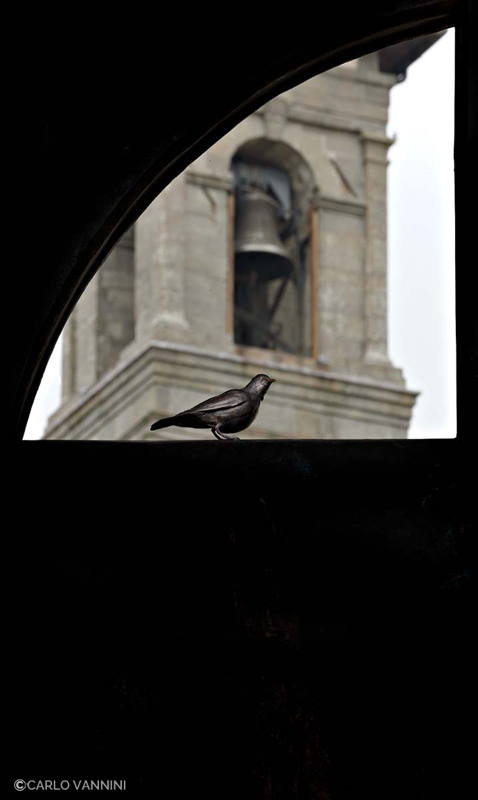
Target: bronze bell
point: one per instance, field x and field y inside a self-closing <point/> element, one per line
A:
<point x="258" y="245"/>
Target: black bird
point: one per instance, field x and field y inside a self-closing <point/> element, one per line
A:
<point x="229" y="412"/>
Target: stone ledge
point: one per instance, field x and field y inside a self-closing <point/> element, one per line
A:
<point x="322" y="401"/>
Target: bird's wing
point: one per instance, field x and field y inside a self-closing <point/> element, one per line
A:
<point x="233" y="398"/>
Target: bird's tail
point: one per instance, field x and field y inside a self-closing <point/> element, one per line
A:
<point x="163" y="423"/>
<point x="181" y="420"/>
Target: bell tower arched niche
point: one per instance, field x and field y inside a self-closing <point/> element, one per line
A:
<point x="275" y="194"/>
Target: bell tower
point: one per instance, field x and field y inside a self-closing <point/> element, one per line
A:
<point x="268" y="254"/>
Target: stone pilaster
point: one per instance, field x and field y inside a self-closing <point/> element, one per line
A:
<point x="116" y="303"/>
<point x="85" y="344"/>
<point x="160" y="262"/>
<point x="375" y="148"/>
<point x="68" y="356"/>
<point x="102" y="324"/>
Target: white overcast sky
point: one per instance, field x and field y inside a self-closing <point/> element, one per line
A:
<point x="420" y="248"/>
<point x="421" y="238"/>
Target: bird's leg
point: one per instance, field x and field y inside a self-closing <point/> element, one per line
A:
<point x="220" y="435"/>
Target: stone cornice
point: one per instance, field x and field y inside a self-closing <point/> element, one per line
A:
<point x="368" y="76"/>
<point x="348" y="394"/>
<point x="210" y="181"/>
<point x="331" y="120"/>
<point x="348" y="206"/>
